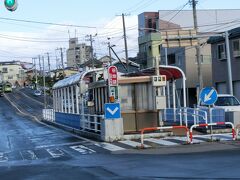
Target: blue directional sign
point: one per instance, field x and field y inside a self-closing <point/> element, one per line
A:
<point x="112" y="111"/>
<point x="208" y="95"/>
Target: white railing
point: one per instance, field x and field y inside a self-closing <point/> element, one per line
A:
<point x="49" y="115"/>
<point x="91" y="122"/>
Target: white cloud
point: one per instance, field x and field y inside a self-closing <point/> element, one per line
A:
<point x="25" y="45"/>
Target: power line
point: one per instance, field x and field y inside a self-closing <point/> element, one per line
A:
<point x="178" y="11"/>
<point x="46" y="23"/>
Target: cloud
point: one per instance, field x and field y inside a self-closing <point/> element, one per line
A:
<point x="24" y="46"/>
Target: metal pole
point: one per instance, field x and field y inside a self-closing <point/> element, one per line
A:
<point x="157" y="66"/>
<point x="40" y="67"/>
<point x="125" y="42"/>
<point x="62" y="61"/>
<point x="91" y="41"/>
<point x="44" y="85"/>
<point x="229" y="64"/>
<point x="35" y="67"/>
<point x="49" y="68"/>
<point x="198" y="53"/>
<point x="110" y="56"/>
<point x="168" y="89"/>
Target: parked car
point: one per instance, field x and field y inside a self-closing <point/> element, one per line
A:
<point x="37" y="93"/>
<point x="227" y="102"/>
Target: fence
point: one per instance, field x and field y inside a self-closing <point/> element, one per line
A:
<point x="85" y="122"/>
<point x="191" y="116"/>
<point x="91" y="122"/>
<point x="49" y="115"/>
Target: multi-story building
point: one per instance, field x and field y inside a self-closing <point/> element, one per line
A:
<point x="13" y="72"/>
<point x="77" y="54"/>
<point x="149" y="39"/>
<point x="184" y="57"/>
<point x="219" y="62"/>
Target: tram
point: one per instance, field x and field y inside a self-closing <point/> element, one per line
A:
<point x="7" y="87"/>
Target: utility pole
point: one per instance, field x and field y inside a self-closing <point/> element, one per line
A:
<point x="91" y="42"/>
<point x="49" y="68"/>
<point x="40" y="67"/>
<point x="125" y="41"/>
<point x="62" y="63"/>
<point x="109" y="49"/>
<point x="35" y="67"/>
<point x="230" y="85"/>
<point x="198" y="55"/>
<point x="44" y="85"/>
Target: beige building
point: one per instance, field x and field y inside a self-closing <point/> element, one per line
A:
<point x="77" y="53"/>
<point x="13" y="72"/>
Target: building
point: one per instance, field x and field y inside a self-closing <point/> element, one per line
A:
<point x="219" y="62"/>
<point x="184" y="57"/>
<point x="77" y="53"/>
<point x="121" y="65"/>
<point x="149" y="39"/>
<point x="13" y="72"/>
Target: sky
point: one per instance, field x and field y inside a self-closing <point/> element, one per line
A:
<point x="102" y="19"/>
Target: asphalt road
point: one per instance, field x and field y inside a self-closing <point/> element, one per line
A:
<point x="32" y="150"/>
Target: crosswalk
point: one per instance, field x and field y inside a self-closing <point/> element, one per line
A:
<point x="87" y="148"/>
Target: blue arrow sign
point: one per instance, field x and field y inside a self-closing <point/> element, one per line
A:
<point x="208" y="95"/>
<point x="112" y="111"/>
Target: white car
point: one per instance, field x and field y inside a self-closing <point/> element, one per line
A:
<point x="225" y="101"/>
<point x="228" y="102"/>
<point x="37" y="93"/>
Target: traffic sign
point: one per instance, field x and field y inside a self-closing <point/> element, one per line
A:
<point x="208" y="95"/>
<point x="112" y="76"/>
<point x="11" y="5"/>
<point x="112" y="110"/>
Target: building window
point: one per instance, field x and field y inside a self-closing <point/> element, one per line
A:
<point x="171" y="59"/>
<point x="4" y="70"/>
<point x="221" y="53"/>
<point x="10" y="77"/>
<point x="236" y="48"/>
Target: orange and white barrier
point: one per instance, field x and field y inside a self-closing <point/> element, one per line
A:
<point x="212" y="124"/>
<point x="161" y="128"/>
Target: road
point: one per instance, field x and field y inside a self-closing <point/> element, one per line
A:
<point x="32" y="150"/>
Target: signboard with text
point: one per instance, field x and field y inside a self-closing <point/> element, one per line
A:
<point x="113" y="83"/>
<point x="112" y="76"/>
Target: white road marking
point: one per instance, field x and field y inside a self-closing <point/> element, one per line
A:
<point x="184" y="139"/>
<point x="3" y="157"/>
<point x="55" y="153"/>
<point x="108" y="146"/>
<point x="221" y="137"/>
<point x="82" y="149"/>
<point x="57" y="145"/>
<point x="162" y="142"/>
<point x="28" y="155"/>
<point x="133" y="143"/>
